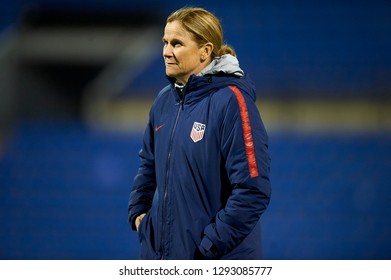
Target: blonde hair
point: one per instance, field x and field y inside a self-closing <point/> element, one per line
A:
<point x="205" y="27"/>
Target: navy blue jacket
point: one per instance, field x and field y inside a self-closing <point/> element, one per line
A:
<point x="204" y="174"/>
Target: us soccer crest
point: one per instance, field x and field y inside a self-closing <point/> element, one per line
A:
<point x="197" y="132"/>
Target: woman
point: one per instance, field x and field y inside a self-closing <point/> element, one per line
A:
<point x="203" y="181"/>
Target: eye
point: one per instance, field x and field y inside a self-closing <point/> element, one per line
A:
<point x="176" y="43"/>
<point x="173" y="43"/>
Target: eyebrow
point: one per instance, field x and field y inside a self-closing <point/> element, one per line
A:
<point x="174" y="40"/>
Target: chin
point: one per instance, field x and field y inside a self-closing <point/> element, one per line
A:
<point x="169" y="73"/>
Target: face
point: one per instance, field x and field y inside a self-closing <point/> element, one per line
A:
<point x="182" y="55"/>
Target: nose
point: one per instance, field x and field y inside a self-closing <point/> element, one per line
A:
<point x="167" y="50"/>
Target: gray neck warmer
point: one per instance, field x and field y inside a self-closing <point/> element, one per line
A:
<point x="227" y="64"/>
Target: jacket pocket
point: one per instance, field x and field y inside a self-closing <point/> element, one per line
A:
<point x="146" y="238"/>
<point x="141" y="227"/>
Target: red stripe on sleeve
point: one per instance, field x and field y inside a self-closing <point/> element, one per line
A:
<point x="247" y="133"/>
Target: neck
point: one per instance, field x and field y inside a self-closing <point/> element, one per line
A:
<point x="199" y="69"/>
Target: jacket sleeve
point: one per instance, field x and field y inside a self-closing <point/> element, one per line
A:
<point x="144" y="185"/>
<point x="244" y="146"/>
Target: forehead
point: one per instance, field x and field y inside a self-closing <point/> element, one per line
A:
<point x="175" y="30"/>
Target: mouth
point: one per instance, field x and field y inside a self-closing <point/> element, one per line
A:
<point x="170" y="62"/>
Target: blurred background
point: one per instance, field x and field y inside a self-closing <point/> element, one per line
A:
<point x="77" y="79"/>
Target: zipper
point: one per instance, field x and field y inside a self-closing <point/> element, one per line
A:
<point x="167" y="177"/>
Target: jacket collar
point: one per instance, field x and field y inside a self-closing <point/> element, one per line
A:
<point x="221" y="72"/>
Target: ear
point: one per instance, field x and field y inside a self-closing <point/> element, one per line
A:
<point x="206" y="51"/>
